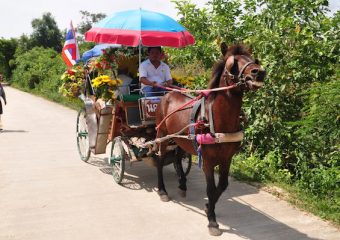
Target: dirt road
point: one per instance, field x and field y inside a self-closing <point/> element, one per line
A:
<point x="47" y="192"/>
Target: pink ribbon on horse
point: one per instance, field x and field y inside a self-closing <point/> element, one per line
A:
<point x="205" y="138"/>
<point x="206" y="92"/>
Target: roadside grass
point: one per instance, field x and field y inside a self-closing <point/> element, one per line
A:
<point x="325" y="208"/>
<point x="280" y="184"/>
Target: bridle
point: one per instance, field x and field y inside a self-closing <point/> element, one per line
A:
<point x="241" y="78"/>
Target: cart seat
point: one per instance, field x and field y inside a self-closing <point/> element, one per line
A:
<point x="130" y="98"/>
<point x="131" y="108"/>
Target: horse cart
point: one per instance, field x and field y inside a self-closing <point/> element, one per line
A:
<point x="129" y="121"/>
<point x="127" y="124"/>
<point x="207" y="125"/>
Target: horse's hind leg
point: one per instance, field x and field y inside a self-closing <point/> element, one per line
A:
<point x="160" y="163"/>
<point x="180" y="172"/>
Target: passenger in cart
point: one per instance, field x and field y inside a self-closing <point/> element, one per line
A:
<point x="123" y="74"/>
<point x="153" y="72"/>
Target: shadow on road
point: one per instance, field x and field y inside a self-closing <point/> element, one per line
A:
<point x="242" y="219"/>
<point x="13" y="131"/>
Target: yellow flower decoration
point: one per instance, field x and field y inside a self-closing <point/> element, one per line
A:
<point x="72" y="82"/>
<point x="105" y="86"/>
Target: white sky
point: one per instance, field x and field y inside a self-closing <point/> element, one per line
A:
<point x="16" y="15"/>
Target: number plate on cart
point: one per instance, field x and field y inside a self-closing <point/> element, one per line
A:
<point x="148" y="108"/>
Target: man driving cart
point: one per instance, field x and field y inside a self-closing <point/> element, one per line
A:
<point x="154" y="72"/>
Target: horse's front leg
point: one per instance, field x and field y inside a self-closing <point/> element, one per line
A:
<point x="160" y="163"/>
<point x="214" y="194"/>
<point x="222" y="181"/>
<point x="210" y="207"/>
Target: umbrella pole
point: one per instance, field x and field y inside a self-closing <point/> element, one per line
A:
<point x="139" y="58"/>
<point x="139" y="52"/>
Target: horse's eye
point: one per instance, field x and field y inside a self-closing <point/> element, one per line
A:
<point x="254" y="71"/>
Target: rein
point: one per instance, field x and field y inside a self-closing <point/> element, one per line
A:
<point x="181" y="107"/>
<point x="200" y="91"/>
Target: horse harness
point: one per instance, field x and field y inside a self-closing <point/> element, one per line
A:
<point x="203" y="121"/>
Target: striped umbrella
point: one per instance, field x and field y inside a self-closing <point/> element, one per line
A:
<point x="140" y="27"/>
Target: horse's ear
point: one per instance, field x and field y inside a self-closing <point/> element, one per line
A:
<point x="230" y="62"/>
<point x="232" y="65"/>
<point x="224" y="48"/>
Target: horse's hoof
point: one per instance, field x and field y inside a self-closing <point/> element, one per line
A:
<point x="215" y="231"/>
<point x="182" y="193"/>
<point x="164" y="198"/>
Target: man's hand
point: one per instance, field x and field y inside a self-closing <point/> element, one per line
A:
<point x="146" y="81"/>
<point x="168" y="83"/>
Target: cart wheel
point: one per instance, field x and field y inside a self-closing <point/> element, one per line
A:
<point x="186" y="163"/>
<point x="117" y="159"/>
<point x="83" y="137"/>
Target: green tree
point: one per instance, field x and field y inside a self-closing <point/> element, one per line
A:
<point x="24" y="44"/>
<point x="211" y="25"/>
<point x="39" y="70"/>
<point x="298" y="48"/>
<point x="88" y="19"/>
<point x="46" y="33"/>
<point x="7" y="50"/>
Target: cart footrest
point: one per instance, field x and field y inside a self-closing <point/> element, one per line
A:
<point x="104" y="120"/>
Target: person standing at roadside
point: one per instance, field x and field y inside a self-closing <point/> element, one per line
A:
<point x="2" y="95"/>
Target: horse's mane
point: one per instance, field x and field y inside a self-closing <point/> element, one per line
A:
<point x="237" y="49"/>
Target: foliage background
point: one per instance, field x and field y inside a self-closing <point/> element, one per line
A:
<point x="292" y="134"/>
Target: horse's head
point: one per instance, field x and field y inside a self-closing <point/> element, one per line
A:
<point x="241" y="68"/>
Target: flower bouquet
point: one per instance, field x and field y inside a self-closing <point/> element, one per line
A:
<point x="72" y="82"/>
<point x="114" y="58"/>
<point x="105" y="87"/>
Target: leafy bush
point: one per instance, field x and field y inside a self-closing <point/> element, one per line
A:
<point x="39" y="70"/>
<point x="195" y="70"/>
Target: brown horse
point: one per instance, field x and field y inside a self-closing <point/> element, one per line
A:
<point x="241" y="72"/>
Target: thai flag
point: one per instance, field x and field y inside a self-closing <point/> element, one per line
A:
<point x="70" y="52"/>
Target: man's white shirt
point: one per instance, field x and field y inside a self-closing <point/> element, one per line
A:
<point x="159" y="75"/>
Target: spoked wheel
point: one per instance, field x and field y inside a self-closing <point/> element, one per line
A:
<point x="83" y="136"/>
<point x="117" y="159"/>
<point x="186" y="163"/>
